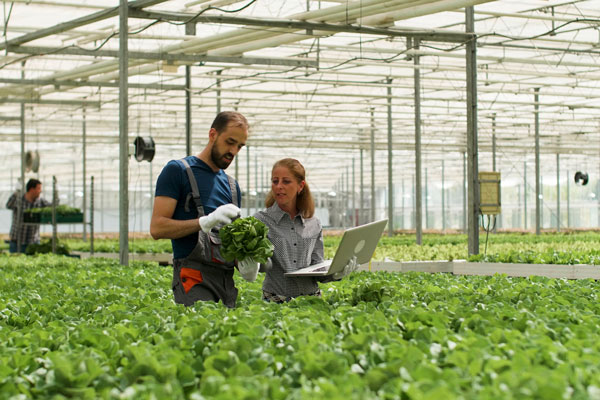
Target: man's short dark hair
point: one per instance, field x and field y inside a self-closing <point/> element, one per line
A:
<point x="224" y="118"/>
<point x="32" y="184"/>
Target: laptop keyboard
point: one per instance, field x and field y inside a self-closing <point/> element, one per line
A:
<point x="320" y="269"/>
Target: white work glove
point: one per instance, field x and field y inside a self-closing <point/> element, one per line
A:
<point x="348" y="269"/>
<point x="266" y="266"/>
<point x="248" y="269"/>
<point x="222" y="215"/>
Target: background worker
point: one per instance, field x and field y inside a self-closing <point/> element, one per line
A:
<point x="194" y="198"/>
<point x="22" y="235"/>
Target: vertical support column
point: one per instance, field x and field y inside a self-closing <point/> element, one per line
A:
<point x="418" y="188"/>
<point x="341" y="201"/>
<point x="426" y="200"/>
<point x="22" y="193"/>
<point x="372" y="164"/>
<point x="150" y="185"/>
<point x="347" y="196"/>
<point x="525" y="195"/>
<point x="541" y="202"/>
<point x="256" y="171"/>
<point x="84" y="156"/>
<point x="568" y="201"/>
<point x="237" y="170"/>
<point x="414" y="205"/>
<point x="390" y="160"/>
<point x="403" y="207"/>
<point x="538" y="208"/>
<point x="54" y="201"/>
<point x="123" y="135"/>
<point x="464" y="187"/>
<point x="190" y="29"/>
<point x="20" y="202"/>
<point x="472" y="150"/>
<point x="218" y="91"/>
<point x="443" y="198"/>
<point x="248" y="180"/>
<point x="92" y="215"/>
<point x="519" y="206"/>
<point x="557" y="192"/>
<point x="102" y="200"/>
<point x="362" y="191"/>
<point x="494" y="142"/>
<point x="499" y="216"/>
<point x="354" y="223"/>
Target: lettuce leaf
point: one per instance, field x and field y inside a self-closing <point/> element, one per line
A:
<point x="246" y="237"/>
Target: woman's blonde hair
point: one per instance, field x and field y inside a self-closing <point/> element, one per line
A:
<point x="304" y="200"/>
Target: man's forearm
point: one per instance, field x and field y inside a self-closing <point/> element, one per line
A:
<point x="168" y="228"/>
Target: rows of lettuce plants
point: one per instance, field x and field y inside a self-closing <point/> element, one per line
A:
<point x="549" y="248"/>
<point x="94" y="329"/>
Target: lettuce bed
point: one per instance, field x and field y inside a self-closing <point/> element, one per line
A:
<point x="548" y="248"/>
<point x="94" y="329"/>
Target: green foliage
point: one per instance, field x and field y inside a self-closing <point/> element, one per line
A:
<point x="548" y="248"/>
<point x="140" y="246"/>
<point x="45" y="247"/>
<point x="246" y="237"/>
<point x="60" y="209"/>
<point x="92" y="328"/>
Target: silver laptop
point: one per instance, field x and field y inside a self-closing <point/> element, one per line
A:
<point x="360" y="241"/>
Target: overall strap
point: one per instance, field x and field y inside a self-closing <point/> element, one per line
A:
<point x="195" y="192"/>
<point x="233" y="186"/>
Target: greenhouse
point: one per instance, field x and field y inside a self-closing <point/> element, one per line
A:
<point x="470" y="126"/>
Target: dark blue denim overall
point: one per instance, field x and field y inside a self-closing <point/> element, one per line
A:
<point x="204" y="275"/>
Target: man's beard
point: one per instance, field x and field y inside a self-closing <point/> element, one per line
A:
<point x="218" y="159"/>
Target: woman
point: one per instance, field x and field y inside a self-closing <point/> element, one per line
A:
<point x="295" y="233"/>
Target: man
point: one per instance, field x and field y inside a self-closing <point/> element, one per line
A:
<point x="22" y="235"/>
<point x="194" y="198"/>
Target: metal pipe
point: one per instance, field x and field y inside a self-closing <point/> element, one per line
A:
<point x="190" y="29"/>
<point x="418" y="188"/>
<point x="443" y="199"/>
<point x="362" y="191"/>
<point x="557" y="192"/>
<point x="123" y="135"/>
<point x="418" y="11"/>
<point x="85" y="20"/>
<point x="248" y="180"/>
<point x="568" y="201"/>
<point x="525" y="195"/>
<point x="472" y="149"/>
<point x="390" y="161"/>
<point x="218" y="92"/>
<point x="494" y="142"/>
<point x="372" y="164"/>
<point x="20" y="204"/>
<point x="84" y="156"/>
<point x="538" y="216"/>
<point x="464" y="187"/>
<point x="92" y="215"/>
<point x="354" y="222"/>
<point x="426" y="200"/>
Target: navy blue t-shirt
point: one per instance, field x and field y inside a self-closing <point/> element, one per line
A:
<point x="214" y="190"/>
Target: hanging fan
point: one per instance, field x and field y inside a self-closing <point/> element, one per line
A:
<point x="581" y="178"/>
<point x="144" y="148"/>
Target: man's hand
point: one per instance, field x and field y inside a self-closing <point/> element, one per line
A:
<point x="248" y="269"/>
<point x="222" y="215"/>
<point x="348" y="269"/>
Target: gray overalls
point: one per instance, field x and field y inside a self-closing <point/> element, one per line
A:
<point x="204" y="274"/>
